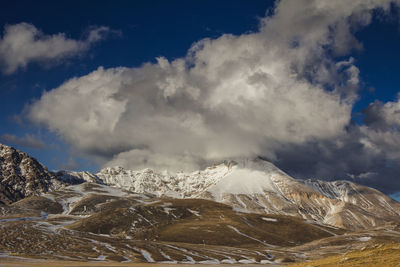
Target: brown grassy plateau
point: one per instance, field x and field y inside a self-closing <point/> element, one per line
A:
<point x="97" y="228"/>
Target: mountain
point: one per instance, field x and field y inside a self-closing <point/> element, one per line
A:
<point x="244" y="211"/>
<point x="96" y="222"/>
<point x="256" y="185"/>
<point x="359" y="206"/>
<point x="252" y="185"/>
<point x="22" y="176"/>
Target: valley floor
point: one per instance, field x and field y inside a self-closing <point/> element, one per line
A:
<point x="30" y="263"/>
<point x="376" y="255"/>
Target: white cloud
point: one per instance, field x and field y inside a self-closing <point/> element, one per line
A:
<point x="23" y="43"/>
<point x="82" y="113"/>
<point x="380" y="115"/>
<point x="231" y="96"/>
<point x="382" y="128"/>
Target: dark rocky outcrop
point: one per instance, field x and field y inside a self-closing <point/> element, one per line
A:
<point x="22" y="176"/>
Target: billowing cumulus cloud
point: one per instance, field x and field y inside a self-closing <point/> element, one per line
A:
<point x="278" y="92"/>
<point x="368" y="154"/>
<point x="23" y="43"/>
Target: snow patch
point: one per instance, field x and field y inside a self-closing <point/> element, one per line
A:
<point x="194" y="212"/>
<point x="146" y="255"/>
<point x="269" y="219"/>
<point x="364" y="238"/>
<point x="250" y="237"/>
<point x="101" y="258"/>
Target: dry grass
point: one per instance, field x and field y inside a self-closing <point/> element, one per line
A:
<point x="213" y="227"/>
<point x="119" y="229"/>
<point x="200" y="221"/>
<point x="38" y="203"/>
<point x="376" y="255"/>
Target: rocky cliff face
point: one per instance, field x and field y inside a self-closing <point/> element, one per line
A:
<point x="22" y="176"/>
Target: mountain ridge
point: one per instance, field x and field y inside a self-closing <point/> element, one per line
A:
<point x="256" y="185"/>
<point x="251" y="185"/>
<point x="246" y="211"/>
<point x="22" y="176"/>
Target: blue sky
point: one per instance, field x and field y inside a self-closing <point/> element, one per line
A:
<point x="139" y="32"/>
<point x="144" y="31"/>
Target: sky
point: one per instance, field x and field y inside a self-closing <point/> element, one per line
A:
<point x="312" y="86"/>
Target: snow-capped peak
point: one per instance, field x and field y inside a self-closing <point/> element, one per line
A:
<point x="242" y="176"/>
<point x="257" y="164"/>
<point x="4" y="150"/>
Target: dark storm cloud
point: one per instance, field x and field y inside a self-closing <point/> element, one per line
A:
<point x="349" y="157"/>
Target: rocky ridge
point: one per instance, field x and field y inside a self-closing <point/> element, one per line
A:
<point x="248" y="211"/>
<point x="22" y="176"/>
<point x="250" y="185"/>
<point x="256" y="185"/>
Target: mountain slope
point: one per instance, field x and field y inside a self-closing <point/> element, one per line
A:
<point x="199" y="221"/>
<point x="234" y="212"/>
<point x="252" y="185"/>
<point x="95" y="222"/>
<point x="259" y="186"/>
<point x="22" y="176"/>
